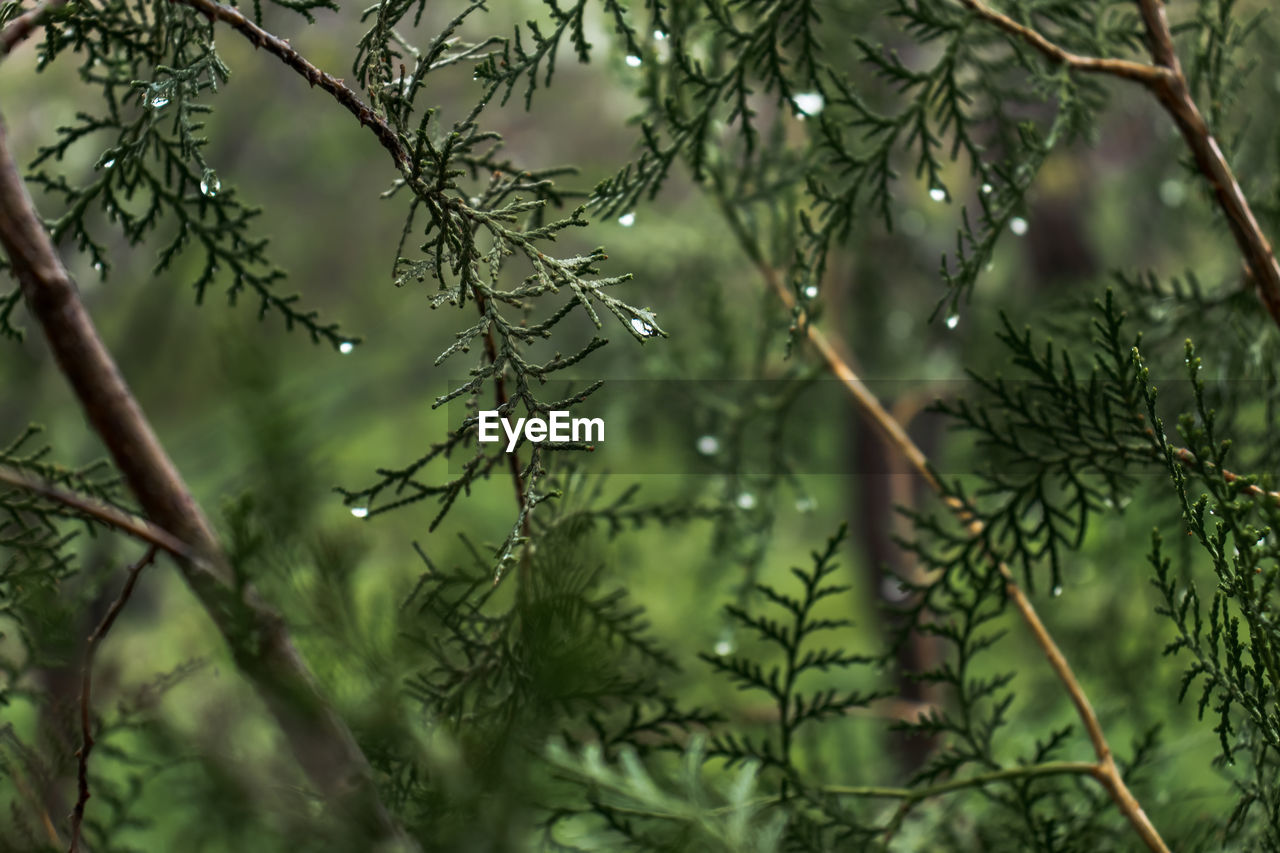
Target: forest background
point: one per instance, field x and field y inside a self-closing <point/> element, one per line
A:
<point x="264" y="424"/>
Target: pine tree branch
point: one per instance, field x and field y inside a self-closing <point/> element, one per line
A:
<point x="138" y="528"/>
<point x="1148" y="75"/>
<point x="86" y="687"/>
<point x="1187" y="458"/>
<point x="1106" y="771"/>
<point x="1168" y="83"/>
<point x="259" y="641"/>
<point x="394" y="146"/>
<point x="335" y="86"/>
<point x="1175" y="95"/>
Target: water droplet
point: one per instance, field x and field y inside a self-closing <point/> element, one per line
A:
<point x="953" y="321"/>
<point x="159" y="102"/>
<point x="806" y="504"/>
<point x="626" y="220"/>
<point x="708" y="445"/>
<point x="360" y="511"/>
<point x="746" y="500"/>
<point x="938" y="194"/>
<point x="346" y="347"/>
<point x="642" y="328"/>
<point x="209" y="183"/>
<point x="809" y="103"/>
<point x="987" y="189"/>
<point x="634" y="61"/>
<point x="891" y="590"/>
<point x="811" y="292"/>
<point x="1057" y="591"/>
<point x="724" y="644"/>
<point x="1173" y="192"/>
<point x="109" y="163"/>
<point x="659" y="35"/>
<point x="97" y="266"/>
<point x="1018" y="226"/>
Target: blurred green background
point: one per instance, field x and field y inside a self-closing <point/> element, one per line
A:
<point x="252" y="413"/>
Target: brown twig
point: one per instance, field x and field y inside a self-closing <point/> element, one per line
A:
<point x="138" y="528"/>
<point x="1146" y="74"/>
<point x="1107" y="772"/>
<point x="1167" y="82"/>
<point x="17" y="30"/>
<point x="259" y="641"/>
<point x="25" y="791"/>
<point x="1175" y="95"/>
<point x="86" y="686"/>
<point x="1186" y="457"/>
<point x="344" y="95"/>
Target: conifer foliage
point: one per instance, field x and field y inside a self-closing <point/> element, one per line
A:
<point x="520" y="697"/>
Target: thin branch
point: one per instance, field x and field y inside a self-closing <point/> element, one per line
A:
<point x="1107" y="773"/>
<point x="138" y="528"/>
<point x="16" y="31"/>
<point x="389" y="140"/>
<point x="908" y="795"/>
<point x="1175" y="95"/>
<point x="86" y="686"/>
<point x="34" y="800"/>
<point x="1148" y="75"/>
<point x="1161" y="37"/>
<point x="1167" y="82"/>
<point x="981" y="780"/>
<point x="335" y="86"/>
<point x="1187" y="458"/>
<point x="258" y="639"/>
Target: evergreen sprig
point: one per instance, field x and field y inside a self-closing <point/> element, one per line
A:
<point x="792" y="637"/>
<point x="154" y="78"/>
<point x="1235" y="647"/>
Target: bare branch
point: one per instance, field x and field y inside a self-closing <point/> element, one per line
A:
<point x="1148" y="75"/>
<point x="138" y="528"/>
<point x="1175" y="95"/>
<point x="259" y="641"/>
<point x="86" y="686"/>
